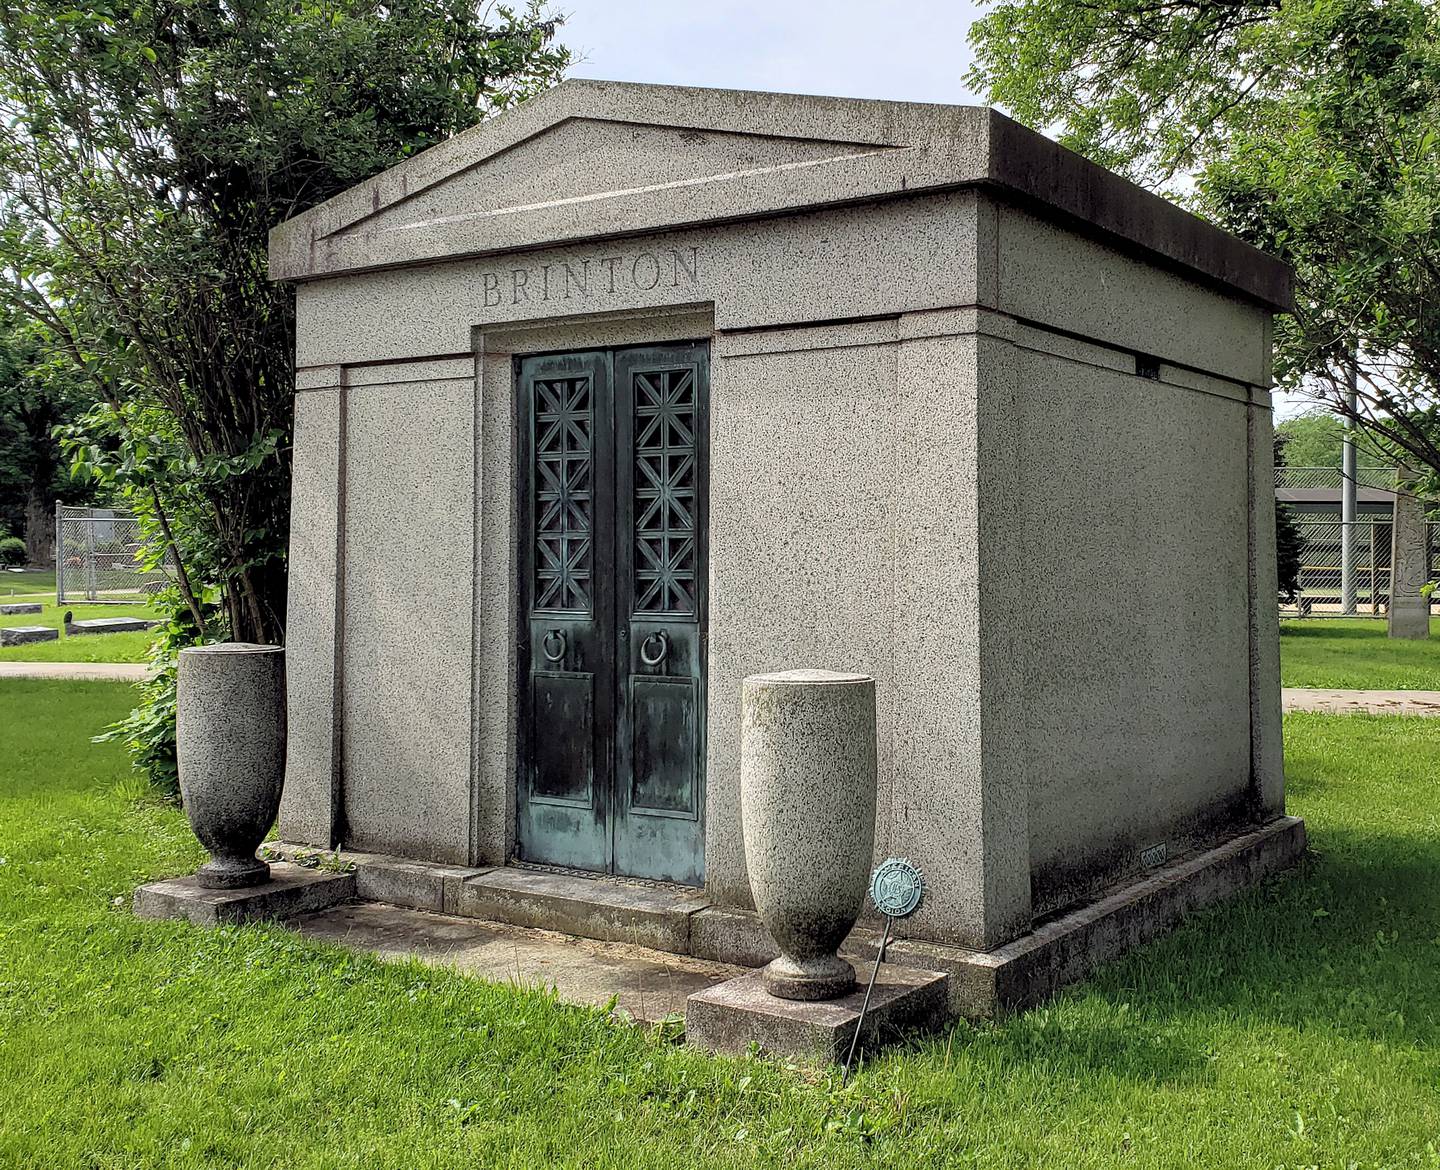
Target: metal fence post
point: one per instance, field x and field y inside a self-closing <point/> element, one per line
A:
<point x="91" y="592"/>
<point x="1374" y="592"/>
<point x="59" y="554"/>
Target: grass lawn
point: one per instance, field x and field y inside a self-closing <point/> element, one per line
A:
<point x="26" y="581"/>
<point x="84" y="647"/>
<point x="1296" y="1026"/>
<point x="1354" y="653"/>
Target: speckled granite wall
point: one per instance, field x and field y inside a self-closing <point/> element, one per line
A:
<point x="1013" y="467"/>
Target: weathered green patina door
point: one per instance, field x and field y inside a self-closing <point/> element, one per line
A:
<point x="612" y="567"/>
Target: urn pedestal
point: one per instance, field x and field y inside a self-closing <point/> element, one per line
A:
<point x="807" y="802"/>
<point x="230" y="748"/>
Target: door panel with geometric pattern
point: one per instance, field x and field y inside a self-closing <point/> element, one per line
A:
<point x="613" y="496"/>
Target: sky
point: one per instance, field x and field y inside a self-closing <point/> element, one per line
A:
<point x="912" y="51"/>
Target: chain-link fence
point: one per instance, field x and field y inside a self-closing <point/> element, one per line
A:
<point x="1301" y="478"/>
<point x="97" y="557"/>
<point x="1321" y="584"/>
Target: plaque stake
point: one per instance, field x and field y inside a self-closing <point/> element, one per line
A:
<point x="896" y="888"/>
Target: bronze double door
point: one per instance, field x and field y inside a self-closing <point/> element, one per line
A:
<point x="612" y="584"/>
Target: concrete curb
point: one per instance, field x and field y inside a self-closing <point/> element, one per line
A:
<point x="1326" y="701"/>
<point x="131" y="672"/>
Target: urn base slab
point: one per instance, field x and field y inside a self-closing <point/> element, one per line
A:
<point x="828" y="977"/>
<point x="734" y="1016"/>
<point x="232" y="873"/>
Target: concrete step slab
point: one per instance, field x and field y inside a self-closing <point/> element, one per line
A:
<point x="595" y="908"/>
<point x="381" y="877"/>
<point x="19" y="607"/>
<point x="647" y="986"/>
<point x="1058" y="951"/>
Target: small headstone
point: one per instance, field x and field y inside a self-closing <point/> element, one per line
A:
<point x="115" y="625"/>
<point x="1409" y="611"/>
<point x="21" y="635"/>
<point x="20" y="607"/>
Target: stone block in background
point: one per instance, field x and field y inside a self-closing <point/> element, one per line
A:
<point x="1408" y="613"/>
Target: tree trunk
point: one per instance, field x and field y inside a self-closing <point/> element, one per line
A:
<point x="40" y="524"/>
<point x="38" y="418"/>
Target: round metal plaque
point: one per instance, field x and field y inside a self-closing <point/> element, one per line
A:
<point x="896" y="888"/>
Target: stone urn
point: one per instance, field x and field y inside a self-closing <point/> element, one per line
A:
<point x="807" y="805"/>
<point x="230" y="747"/>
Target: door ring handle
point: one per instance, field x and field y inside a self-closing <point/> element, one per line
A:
<point x="559" y="636"/>
<point x="655" y="660"/>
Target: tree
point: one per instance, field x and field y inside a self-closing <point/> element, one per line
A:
<point x="1289" y="543"/>
<point x="149" y="148"/>
<point x="36" y="396"/>
<point x="1315" y="440"/>
<point x="1311" y="128"/>
<point x="1310" y="440"/>
<point x="1289" y="552"/>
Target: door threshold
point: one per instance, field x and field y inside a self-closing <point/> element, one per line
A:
<point x="597" y="876"/>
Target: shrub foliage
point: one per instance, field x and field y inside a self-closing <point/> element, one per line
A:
<point x="149" y="149"/>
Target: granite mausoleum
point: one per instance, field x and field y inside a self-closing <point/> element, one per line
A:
<point x="636" y="391"/>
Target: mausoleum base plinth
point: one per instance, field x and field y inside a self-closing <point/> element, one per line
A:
<point x="731" y="1017"/>
<point x="291" y="890"/>
<point x="1062" y="949"/>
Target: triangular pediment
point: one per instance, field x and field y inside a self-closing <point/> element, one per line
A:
<point x="589" y="160"/>
<point x="585" y="160"/>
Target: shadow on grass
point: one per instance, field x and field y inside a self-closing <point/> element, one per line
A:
<point x="1342" y="946"/>
<point x="1336" y="629"/>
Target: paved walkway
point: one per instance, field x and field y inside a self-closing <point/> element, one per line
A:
<point x="648" y="985"/>
<point x="1361" y="702"/>
<point x="110" y="671"/>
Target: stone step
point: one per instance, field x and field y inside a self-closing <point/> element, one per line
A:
<point x="20" y="607"/>
<point x="1017" y="975"/>
<point x="669" y="918"/>
<point x="596" y="908"/>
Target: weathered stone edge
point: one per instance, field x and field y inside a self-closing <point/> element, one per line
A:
<point x="1069" y="947"/>
<point x="381" y="877"/>
<point x="24" y="635"/>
